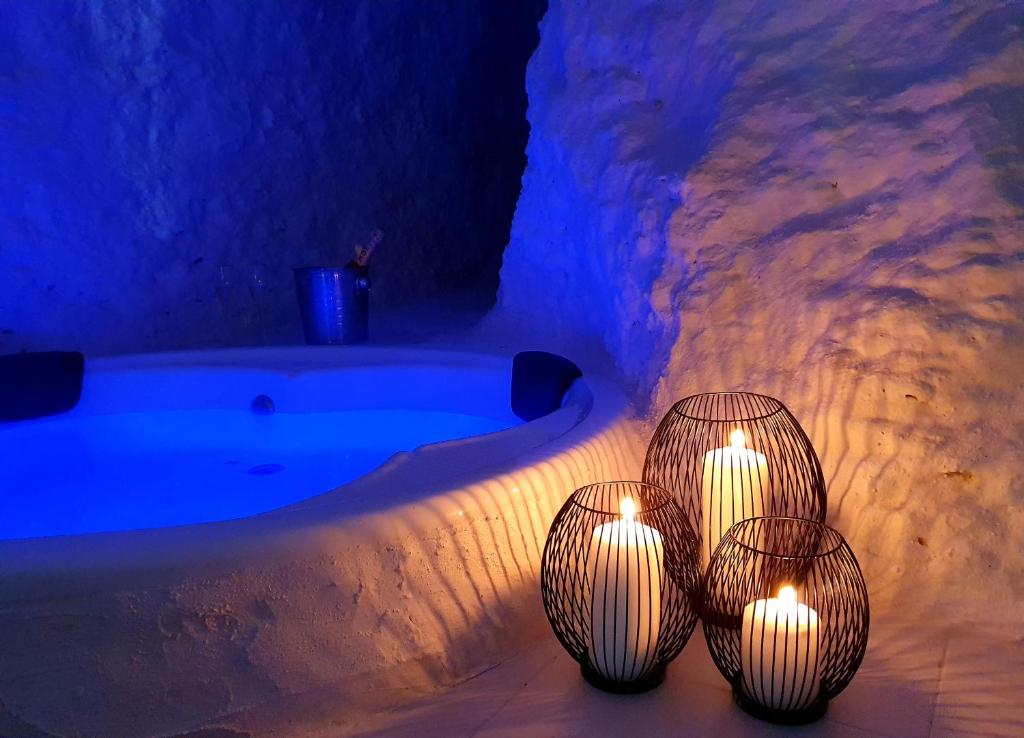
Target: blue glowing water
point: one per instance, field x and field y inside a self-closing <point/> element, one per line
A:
<point x="127" y="471"/>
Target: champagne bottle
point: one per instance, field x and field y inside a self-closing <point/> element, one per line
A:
<point x="363" y="253"/>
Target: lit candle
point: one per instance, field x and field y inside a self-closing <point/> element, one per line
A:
<point x="624" y="566"/>
<point x="733" y="486"/>
<point x="779" y="652"/>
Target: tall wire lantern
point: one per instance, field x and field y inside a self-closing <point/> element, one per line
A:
<point x="728" y="456"/>
<point x="620" y="581"/>
<point x="785" y="615"/>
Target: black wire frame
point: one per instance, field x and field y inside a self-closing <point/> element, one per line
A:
<point x="780" y="669"/>
<point x="577" y="557"/>
<point x="778" y="474"/>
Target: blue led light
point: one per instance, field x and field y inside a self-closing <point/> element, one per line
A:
<point x="81" y="474"/>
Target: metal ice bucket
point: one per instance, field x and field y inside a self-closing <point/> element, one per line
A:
<point x="335" y="303"/>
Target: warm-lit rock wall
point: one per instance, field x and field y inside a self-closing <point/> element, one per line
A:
<point x="821" y="201"/>
<point x="145" y="144"/>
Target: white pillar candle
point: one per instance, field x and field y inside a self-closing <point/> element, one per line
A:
<point x="779" y="652"/>
<point x="624" y="567"/>
<point x="733" y="485"/>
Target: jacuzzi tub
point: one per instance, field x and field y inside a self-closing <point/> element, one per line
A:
<point x="256" y="568"/>
<point x="157" y="443"/>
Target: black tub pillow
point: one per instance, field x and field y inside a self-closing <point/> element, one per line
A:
<point x="39" y="384"/>
<point x="539" y="382"/>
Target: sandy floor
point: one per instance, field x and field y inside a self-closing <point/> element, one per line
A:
<point x="915" y="681"/>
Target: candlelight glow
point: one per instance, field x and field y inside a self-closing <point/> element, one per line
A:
<point x="780" y="641"/>
<point x="628" y="508"/>
<point x="737" y="439"/>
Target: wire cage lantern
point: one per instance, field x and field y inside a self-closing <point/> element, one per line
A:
<point x="728" y="456"/>
<point x="785" y="615"/>
<point x="620" y="581"/>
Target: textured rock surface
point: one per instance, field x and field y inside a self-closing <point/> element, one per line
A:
<point x="821" y="201"/>
<point x="145" y="144"/>
<point x="417" y="576"/>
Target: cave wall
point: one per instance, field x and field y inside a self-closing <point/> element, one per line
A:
<point x="820" y="201"/>
<point x="144" y="145"/>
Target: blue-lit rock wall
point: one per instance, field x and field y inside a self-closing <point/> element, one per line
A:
<point x="145" y="144"/>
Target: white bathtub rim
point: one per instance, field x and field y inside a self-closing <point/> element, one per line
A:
<point x="591" y="405"/>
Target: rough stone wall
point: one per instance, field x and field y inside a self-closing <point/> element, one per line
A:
<point x="821" y="201"/>
<point x="145" y="144"/>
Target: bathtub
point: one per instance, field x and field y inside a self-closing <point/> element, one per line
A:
<point x="179" y="557"/>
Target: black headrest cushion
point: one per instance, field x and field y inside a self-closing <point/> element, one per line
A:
<point x="539" y="382"/>
<point x="39" y="384"/>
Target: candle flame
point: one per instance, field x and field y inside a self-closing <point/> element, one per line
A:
<point x="787" y="593"/>
<point x="628" y="508"/>
<point x="737" y="439"/>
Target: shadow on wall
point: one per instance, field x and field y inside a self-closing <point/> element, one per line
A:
<point x="470" y="577"/>
<point x="848" y="240"/>
<point x="164" y="166"/>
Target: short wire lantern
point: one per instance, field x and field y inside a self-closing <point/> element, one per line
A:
<point x="786" y="620"/>
<point x="620" y="581"/>
<point x="728" y="456"/>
